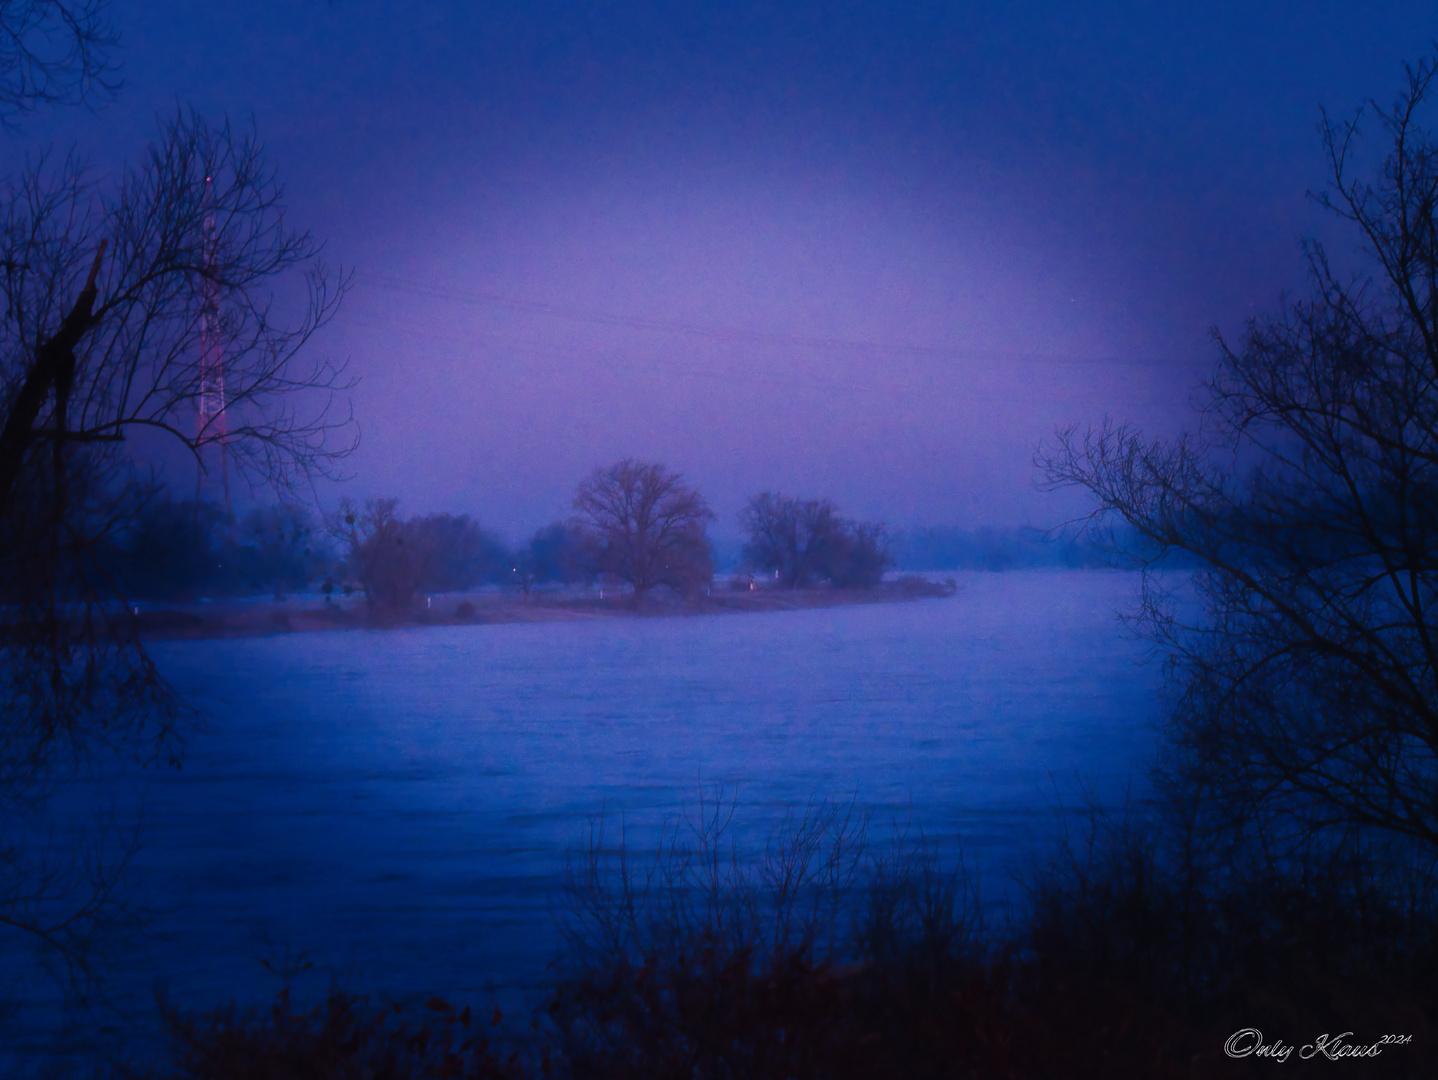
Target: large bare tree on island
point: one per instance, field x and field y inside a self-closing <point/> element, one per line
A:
<point x="1305" y="681"/>
<point x="644" y="525"/>
<point x="108" y="288"/>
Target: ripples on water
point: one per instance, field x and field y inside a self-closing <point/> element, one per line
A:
<point x="397" y="803"/>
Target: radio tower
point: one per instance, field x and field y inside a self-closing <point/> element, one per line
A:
<point x="210" y="421"/>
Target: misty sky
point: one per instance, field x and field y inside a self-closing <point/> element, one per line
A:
<point x="867" y="251"/>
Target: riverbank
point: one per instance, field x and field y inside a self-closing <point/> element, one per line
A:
<point x="299" y="614"/>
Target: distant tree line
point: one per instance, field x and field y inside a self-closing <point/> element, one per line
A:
<point x="986" y="548"/>
<point x="392" y="560"/>
<point x="635" y="524"/>
<point x="176" y="550"/>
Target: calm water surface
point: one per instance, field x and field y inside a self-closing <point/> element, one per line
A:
<point x="396" y="803"/>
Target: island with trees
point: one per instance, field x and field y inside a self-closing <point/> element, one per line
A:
<point x="636" y="544"/>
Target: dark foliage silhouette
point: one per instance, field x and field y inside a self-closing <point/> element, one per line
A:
<point x="1303" y="680"/>
<point x="804" y="541"/>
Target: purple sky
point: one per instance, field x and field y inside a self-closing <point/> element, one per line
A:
<point x="869" y="251"/>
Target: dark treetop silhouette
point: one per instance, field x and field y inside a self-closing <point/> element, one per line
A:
<point x="1304" y="692"/>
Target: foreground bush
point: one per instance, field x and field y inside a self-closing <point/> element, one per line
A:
<point x="342" y="1038"/>
<point x="824" y="956"/>
<point x="1142" y="950"/>
<point x="704" y="963"/>
<point x="1140" y="954"/>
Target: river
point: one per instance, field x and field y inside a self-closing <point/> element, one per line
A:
<point x="396" y="803"/>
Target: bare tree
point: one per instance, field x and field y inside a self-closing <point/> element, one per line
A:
<point x="1303" y="680"/>
<point x="108" y="291"/>
<point x="279" y="548"/>
<point x="794" y="538"/>
<point x="84" y="364"/>
<point x="646" y="527"/>
<point x="805" y="541"/>
<point x="103" y="291"/>
<point x="106" y="288"/>
<point x="395" y="559"/>
<point x="53" y="53"/>
<point x="462" y="553"/>
<point x="553" y="553"/>
<point x="861" y="555"/>
<point x="385" y="555"/>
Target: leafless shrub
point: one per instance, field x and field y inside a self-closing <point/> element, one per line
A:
<point x="702" y="956"/>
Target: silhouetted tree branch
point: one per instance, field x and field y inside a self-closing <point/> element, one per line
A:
<point x="103" y="286"/>
<point x="125" y="352"/>
<point x="1304" y="690"/>
<point x="54" y="53"/>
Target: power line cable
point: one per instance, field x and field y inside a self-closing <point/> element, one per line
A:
<point x="482" y="298"/>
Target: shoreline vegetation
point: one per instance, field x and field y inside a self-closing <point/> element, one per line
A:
<point x="846" y="951"/>
<point x="250" y="617"/>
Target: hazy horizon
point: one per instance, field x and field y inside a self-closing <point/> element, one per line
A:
<point x="860" y="253"/>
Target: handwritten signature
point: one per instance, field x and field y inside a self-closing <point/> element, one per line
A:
<point x="1248" y="1042"/>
